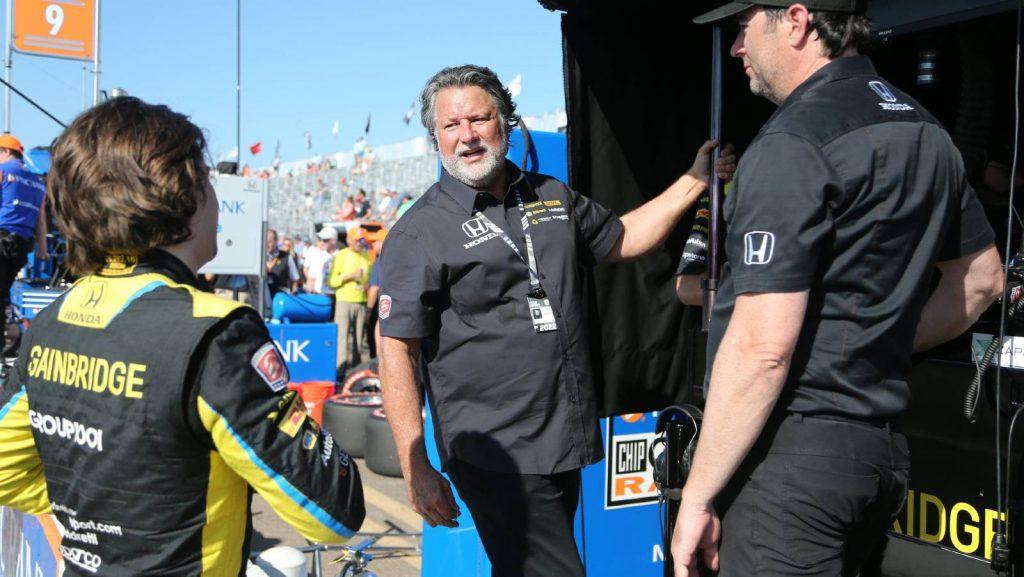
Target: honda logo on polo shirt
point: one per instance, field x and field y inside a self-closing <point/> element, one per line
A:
<point x="759" y="247"/>
<point x="882" y="90"/>
<point x="474" y="227"/>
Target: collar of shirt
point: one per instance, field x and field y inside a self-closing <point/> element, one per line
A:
<point x="466" y="195"/>
<point x="154" y="261"/>
<point x="838" y="69"/>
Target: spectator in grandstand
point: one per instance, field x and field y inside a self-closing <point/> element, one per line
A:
<point x="318" y="259"/>
<point x="350" y="275"/>
<point x="387" y="206"/>
<point x="348" y="209"/>
<point x="407" y="202"/>
<point x="362" y="206"/>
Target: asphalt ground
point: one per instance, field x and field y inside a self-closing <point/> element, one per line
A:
<point x="386" y="501"/>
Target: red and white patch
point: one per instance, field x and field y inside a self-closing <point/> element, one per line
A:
<point x="268" y="363"/>
<point x="385" y="307"/>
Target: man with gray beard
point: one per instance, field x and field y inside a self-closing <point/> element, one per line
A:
<point x="481" y="288"/>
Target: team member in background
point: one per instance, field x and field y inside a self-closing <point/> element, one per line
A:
<point x="843" y="205"/>
<point x="22" y="215"/>
<point x="350" y="276"/>
<point x="141" y="410"/>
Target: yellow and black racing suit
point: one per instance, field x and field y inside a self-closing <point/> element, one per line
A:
<point x="139" y="414"/>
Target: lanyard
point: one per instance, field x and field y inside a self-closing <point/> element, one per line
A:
<point x="530" y="261"/>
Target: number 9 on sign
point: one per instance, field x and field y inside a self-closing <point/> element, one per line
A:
<point x="55" y="18"/>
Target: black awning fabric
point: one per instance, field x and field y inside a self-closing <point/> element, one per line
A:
<point x="638" y="101"/>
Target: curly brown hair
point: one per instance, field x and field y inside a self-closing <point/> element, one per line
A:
<point x="126" y="177"/>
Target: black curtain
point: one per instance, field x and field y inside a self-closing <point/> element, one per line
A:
<point x="638" y="100"/>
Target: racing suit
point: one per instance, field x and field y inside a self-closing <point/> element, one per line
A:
<point x="142" y="410"/>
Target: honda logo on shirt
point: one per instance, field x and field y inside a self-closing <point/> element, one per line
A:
<point x="759" y="247"/>
<point x="882" y="90"/>
<point x="474" y="227"/>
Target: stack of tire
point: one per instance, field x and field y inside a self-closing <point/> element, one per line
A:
<point x="355" y="418"/>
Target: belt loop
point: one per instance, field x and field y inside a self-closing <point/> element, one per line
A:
<point x="797" y="417"/>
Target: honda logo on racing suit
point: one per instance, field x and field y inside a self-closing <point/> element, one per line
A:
<point x="92" y="300"/>
<point x="474" y="227"/>
<point x="758" y="247"/>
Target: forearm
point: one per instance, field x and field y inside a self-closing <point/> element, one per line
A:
<point x="743" y="391"/>
<point x="649" y="225"/>
<point x="41" y="231"/>
<point x="967" y="287"/>
<point x="947" y="314"/>
<point x="403" y="401"/>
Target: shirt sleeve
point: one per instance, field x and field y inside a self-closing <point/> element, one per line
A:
<point x="262" y="432"/>
<point x="411" y="288"/>
<point x="335" y="270"/>
<point x="599" y="228"/>
<point x="694" y="260"/>
<point x="22" y="484"/>
<point x="779" y="221"/>
<point x="375" y="273"/>
<point x="969" y="231"/>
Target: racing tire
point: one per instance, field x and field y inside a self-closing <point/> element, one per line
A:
<point x="381" y="453"/>
<point x="345" y="419"/>
<point x="365" y="381"/>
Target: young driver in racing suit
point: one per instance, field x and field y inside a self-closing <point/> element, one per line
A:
<point x="141" y="410"/>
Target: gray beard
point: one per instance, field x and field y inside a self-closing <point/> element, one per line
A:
<point x="494" y="162"/>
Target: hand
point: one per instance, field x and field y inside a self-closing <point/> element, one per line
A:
<point x="431" y="496"/>
<point x="42" y="254"/>
<point x="697" y="528"/>
<point x="725" y="166"/>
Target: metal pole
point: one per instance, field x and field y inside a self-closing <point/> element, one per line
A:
<point x="8" y="52"/>
<point x="714" y="228"/>
<point x="96" y="58"/>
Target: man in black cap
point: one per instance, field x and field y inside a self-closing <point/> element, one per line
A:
<point x="843" y="205"/>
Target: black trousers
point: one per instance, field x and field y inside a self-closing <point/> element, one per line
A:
<point x="14" y="251"/>
<point x="813" y="498"/>
<point x="524" y="521"/>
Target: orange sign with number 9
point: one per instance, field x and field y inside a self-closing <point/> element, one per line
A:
<point x="60" y="28"/>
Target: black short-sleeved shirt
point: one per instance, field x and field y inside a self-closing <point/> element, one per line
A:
<point x="853" y="192"/>
<point x="503" y="397"/>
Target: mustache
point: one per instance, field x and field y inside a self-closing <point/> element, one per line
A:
<point x="472" y="149"/>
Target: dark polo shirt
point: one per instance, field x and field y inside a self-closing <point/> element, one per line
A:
<point x="503" y="397"/>
<point x="851" y="191"/>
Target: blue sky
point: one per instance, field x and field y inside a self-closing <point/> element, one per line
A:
<point x="305" y="64"/>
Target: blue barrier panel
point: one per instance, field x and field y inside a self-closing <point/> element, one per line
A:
<point x="617" y="526"/>
<point x="622" y="535"/>
<point x="26" y="547"/>
<point x="451" y="551"/>
<point x="309" y="350"/>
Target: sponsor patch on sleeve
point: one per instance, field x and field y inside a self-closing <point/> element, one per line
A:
<point x="293" y="416"/>
<point x="268" y="363"/>
<point x="385" y="307"/>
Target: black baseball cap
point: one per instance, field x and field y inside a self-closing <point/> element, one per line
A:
<point x="734" y="8"/>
